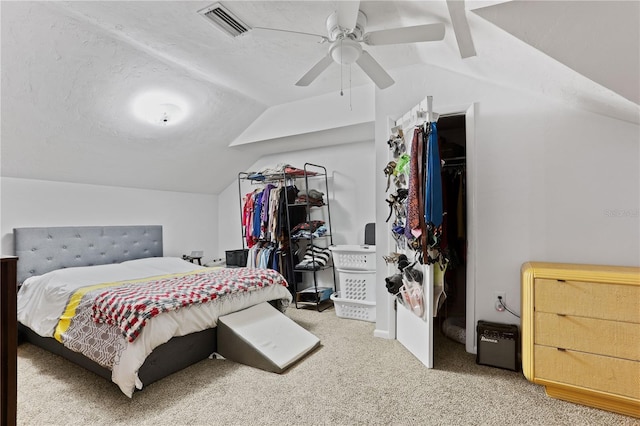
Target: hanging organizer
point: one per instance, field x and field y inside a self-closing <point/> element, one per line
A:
<point x="414" y="295"/>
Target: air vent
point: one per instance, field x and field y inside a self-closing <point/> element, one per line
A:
<point x="222" y="18"/>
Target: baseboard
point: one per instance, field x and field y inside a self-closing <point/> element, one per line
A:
<point x="383" y="334"/>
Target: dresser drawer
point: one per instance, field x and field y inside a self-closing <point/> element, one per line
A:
<point x="602" y="373"/>
<point x="613" y="338"/>
<point x="617" y="302"/>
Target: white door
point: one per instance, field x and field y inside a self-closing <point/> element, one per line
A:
<point x="415" y="332"/>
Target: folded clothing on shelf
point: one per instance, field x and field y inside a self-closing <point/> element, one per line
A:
<point x="314" y="258"/>
<point x="290" y="170"/>
<point x="276" y="171"/>
<point x="312" y="196"/>
<point x="308" y="234"/>
<point x="256" y="176"/>
<point x="312" y="228"/>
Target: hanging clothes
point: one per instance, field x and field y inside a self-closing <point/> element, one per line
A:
<point x="296" y="213"/>
<point x="414" y="208"/>
<point x="460" y="216"/>
<point x="264" y="212"/>
<point x="247" y="218"/>
<point x="257" y="211"/>
<point x="274" y="199"/>
<point x="433" y="190"/>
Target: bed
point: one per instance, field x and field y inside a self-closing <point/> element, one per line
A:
<point x="75" y="290"/>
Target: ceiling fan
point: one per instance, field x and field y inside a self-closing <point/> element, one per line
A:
<point x="346" y="34"/>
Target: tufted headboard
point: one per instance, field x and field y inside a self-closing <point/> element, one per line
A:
<point x="41" y="250"/>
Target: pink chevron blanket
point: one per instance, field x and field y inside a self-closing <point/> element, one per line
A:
<point x="132" y="304"/>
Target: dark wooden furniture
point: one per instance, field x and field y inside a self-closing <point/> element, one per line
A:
<point x="8" y="341"/>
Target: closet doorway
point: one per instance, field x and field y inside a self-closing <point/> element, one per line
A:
<point x="452" y="141"/>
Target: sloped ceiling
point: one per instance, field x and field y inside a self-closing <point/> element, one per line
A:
<point x="598" y="39"/>
<point x="70" y="71"/>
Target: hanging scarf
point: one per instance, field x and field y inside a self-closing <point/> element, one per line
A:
<point x="433" y="190"/>
<point x="414" y="210"/>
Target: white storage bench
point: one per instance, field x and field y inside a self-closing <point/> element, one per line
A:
<point x="356" y="268"/>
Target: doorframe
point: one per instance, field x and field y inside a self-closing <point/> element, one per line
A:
<point x="472" y="220"/>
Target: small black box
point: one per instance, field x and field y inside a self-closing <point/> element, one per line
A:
<point x="498" y="345"/>
<point x="236" y="257"/>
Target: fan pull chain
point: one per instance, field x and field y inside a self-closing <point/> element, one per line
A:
<point x="350" y="106"/>
<point x="341" y="68"/>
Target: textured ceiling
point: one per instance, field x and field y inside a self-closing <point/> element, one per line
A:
<point x="71" y="69"/>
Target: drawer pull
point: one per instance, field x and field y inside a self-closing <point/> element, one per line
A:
<point x="562" y="349"/>
<point x="561" y="315"/>
<point x="562" y="281"/>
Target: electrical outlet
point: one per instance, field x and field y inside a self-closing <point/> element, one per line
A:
<point x="499" y="294"/>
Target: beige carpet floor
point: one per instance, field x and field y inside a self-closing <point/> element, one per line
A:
<point x="352" y="379"/>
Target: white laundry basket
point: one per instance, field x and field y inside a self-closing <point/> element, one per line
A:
<point x="354" y="309"/>
<point x="356" y="295"/>
<point x="354" y="258"/>
<point x="357" y="285"/>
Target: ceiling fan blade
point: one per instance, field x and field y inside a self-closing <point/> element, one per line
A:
<point x="275" y="33"/>
<point x="373" y="69"/>
<point x="419" y="33"/>
<point x="461" y="28"/>
<point x="347" y="14"/>
<point x="427" y="32"/>
<point x="315" y="71"/>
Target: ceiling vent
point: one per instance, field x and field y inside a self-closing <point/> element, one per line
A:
<point x="222" y="18"/>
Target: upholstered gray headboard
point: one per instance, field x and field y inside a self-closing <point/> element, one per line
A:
<point x="41" y="250"/>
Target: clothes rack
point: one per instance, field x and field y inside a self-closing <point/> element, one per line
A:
<point x="296" y="230"/>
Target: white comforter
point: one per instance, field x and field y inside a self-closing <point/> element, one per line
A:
<point x="42" y="299"/>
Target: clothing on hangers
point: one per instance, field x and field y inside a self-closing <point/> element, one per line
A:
<point x="433" y="190"/>
<point x="413" y="228"/>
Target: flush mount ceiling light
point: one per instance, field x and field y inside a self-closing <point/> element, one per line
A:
<point x="160" y="108"/>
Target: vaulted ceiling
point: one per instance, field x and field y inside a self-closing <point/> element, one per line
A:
<point x="71" y="71"/>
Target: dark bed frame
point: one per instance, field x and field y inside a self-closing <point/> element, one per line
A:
<point x="41" y="250"/>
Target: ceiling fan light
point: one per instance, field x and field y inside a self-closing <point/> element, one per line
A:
<point x="345" y="51"/>
<point x="159" y="108"/>
<point x="164" y="114"/>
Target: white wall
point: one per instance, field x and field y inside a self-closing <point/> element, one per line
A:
<point x="300" y="117"/>
<point x="189" y="220"/>
<point x="553" y="183"/>
<point x="350" y="169"/>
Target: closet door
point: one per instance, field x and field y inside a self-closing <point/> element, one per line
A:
<point x="414" y="332"/>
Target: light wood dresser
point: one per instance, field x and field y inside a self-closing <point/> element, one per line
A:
<point x="581" y="333"/>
